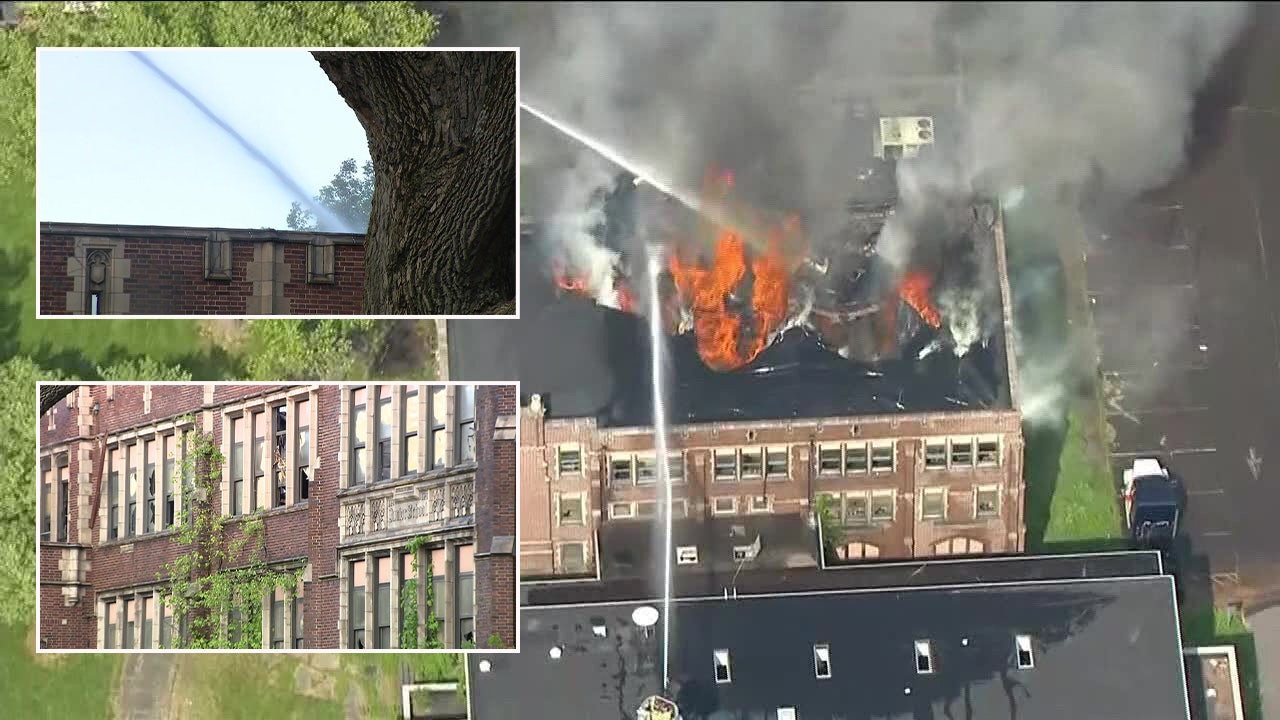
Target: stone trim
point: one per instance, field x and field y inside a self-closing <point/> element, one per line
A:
<point x="115" y="301"/>
<point x="268" y="272"/>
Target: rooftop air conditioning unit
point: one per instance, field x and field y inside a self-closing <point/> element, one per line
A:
<point x="902" y="137"/>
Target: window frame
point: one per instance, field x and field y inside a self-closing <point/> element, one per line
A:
<point x="565" y="453"/>
<point x="751" y="454"/>
<point x="785" y="474"/>
<point x="410" y="432"/>
<point x="850" y="452"/>
<point x="716" y="477"/>
<point x="995" y="452"/>
<point x="754" y="509"/>
<point x="932" y="494"/>
<point x="466" y="425"/>
<point x="932" y="463"/>
<point x="580" y="501"/>
<point x="578" y="545"/>
<point x="892" y="497"/>
<point x="357" y="476"/>
<point x="733" y="505"/>
<point x="278" y="422"/>
<point x="892" y="447"/>
<point x="383" y="404"/>
<point x="628" y="515"/>
<point x="301" y="430"/>
<point x="953" y="444"/>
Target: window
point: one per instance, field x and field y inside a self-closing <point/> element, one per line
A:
<point x="958" y="546"/>
<point x="166" y="479"/>
<point x="130" y="624"/>
<point x="646" y="509"/>
<point x="726" y="465"/>
<point x="131" y="505"/>
<point x="856" y="509"/>
<point x="986" y="501"/>
<point x="277" y="619"/>
<point x="855" y="458"/>
<point x="571" y="510"/>
<point x="280" y="448"/>
<point x="822" y="661"/>
<point x="924" y="657"/>
<point x="621" y="510"/>
<point x="303" y="480"/>
<point x="935" y="454"/>
<point x="109" y="626"/>
<point x="383" y="421"/>
<point x="882" y="458"/>
<point x="237" y="466"/>
<point x="359" y="436"/>
<point x="776" y="462"/>
<point x="235" y="625"/>
<point x="573" y="557"/>
<point x="166" y="623"/>
<point x="724" y="506"/>
<point x="439" y="442"/>
<point x="569" y="462"/>
<point x="933" y="503"/>
<point x="97" y="272"/>
<point x="113" y="492"/>
<point x="355" y="605"/>
<point x="620" y="470"/>
<point x="411" y="416"/>
<point x="466" y="423"/>
<point x="743" y="553"/>
<point x="687" y="555"/>
<point x="760" y="504"/>
<point x="64" y="501"/>
<point x="147" y="611"/>
<point x="466" y="604"/>
<point x="258" y="485"/>
<point x="149" y="486"/>
<point x="646" y="470"/>
<point x="1026" y="658"/>
<point x="46" y="500"/>
<point x="882" y="503"/>
<point x="753" y="463"/>
<point x="408" y="578"/>
<point x="962" y="452"/>
<point x="320" y="265"/>
<point x="679" y="508"/>
<point x="859" y="551"/>
<point x="382" y="602"/>
<point x="298" y="640"/>
<point x="988" y="452"/>
<point x="675" y="467"/>
<point x="188" y="482"/>
<point x="723" y="675"/>
<point x="217" y="257"/>
<point x="829" y="460"/>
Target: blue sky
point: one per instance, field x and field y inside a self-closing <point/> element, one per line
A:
<point x="115" y="144"/>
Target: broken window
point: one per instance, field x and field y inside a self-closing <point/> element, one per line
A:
<point x="466" y="423"/>
<point x="933" y="503"/>
<point x="303" y="489"/>
<point x="822" y="661"/>
<point x="280" y="419"/>
<point x="724" y="506"/>
<point x="882" y="458"/>
<point x="882" y="506"/>
<point x="962" y="452"/>
<point x="935" y="455"/>
<point x="646" y="470"/>
<point x="723" y="674"/>
<point x="620" y="470"/>
<point x="753" y="463"/>
<point x="675" y="467"/>
<point x="986" y="501"/>
<point x="569" y="462"/>
<point x="776" y="463"/>
<point x="571" y="512"/>
<point x="855" y="458"/>
<point x="988" y="452"/>
<point x="924" y="657"/>
<point x="726" y="465"/>
<point x="829" y="460"/>
<point x="856" y="509"/>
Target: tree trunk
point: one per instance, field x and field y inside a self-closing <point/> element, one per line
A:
<point x="441" y="129"/>
<point x="51" y="394"/>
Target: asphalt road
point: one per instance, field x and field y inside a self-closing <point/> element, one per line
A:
<point x="1185" y="291"/>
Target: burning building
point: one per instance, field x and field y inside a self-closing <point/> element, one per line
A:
<point x="836" y="373"/>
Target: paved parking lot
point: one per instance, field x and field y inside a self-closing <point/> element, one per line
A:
<point x="1185" y="291"/>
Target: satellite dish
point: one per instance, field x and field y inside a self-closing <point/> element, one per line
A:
<point x="645" y="616"/>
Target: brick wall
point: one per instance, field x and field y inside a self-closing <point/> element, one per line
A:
<point x="495" y="509"/>
<point x="166" y="271"/>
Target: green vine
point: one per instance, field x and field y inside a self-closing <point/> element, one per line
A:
<point x="409" y="604"/>
<point x="217" y="579"/>
<point x="833" y="535"/>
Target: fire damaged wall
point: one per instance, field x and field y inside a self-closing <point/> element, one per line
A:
<point x="146" y="270"/>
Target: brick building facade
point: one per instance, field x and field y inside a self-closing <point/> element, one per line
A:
<point x="899" y="486"/>
<point x="146" y="270"/>
<point x="342" y="477"/>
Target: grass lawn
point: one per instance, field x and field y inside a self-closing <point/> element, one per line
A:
<point x="379" y="677"/>
<point x="1082" y="511"/>
<point x="1222" y="627"/>
<point x="73" y="686"/>
<point x="246" y="687"/>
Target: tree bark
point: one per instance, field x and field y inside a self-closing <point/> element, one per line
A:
<point x="442" y="137"/>
<point x="51" y="394"/>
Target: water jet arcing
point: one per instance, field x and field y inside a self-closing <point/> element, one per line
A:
<point x="660" y="450"/>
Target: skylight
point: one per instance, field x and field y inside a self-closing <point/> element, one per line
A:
<point x="786" y="713"/>
<point x="1026" y="658"/>
<point x="924" y="657"/>
<point x="722" y="667"/>
<point x="687" y="555"/>
<point x="822" y="661"/>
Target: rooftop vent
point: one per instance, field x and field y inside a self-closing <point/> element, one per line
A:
<point x="687" y="555"/>
<point x="599" y="629"/>
<point x="924" y="657"/>
<point x="723" y="674"/>
<point x="646" y="616"/>
<point x="902" y="137"/>
<point x="555" y="652"/>
<point x="1026" y="658"/>
<point x="485" y="666"/>
<point x="822" y="661"/>
<point x="787" y="713"/>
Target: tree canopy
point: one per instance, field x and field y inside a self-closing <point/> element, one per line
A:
<point x="347" y="196"/>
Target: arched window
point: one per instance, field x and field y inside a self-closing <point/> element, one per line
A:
<point x="959" y="546"/>
<point x="97" y="272"/>
<point x="858" y="551"/>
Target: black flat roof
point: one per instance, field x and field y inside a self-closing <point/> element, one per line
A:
<point x="590" y="361"/>
<point x="627" y="584"/>
<point x="1102" y="648"/>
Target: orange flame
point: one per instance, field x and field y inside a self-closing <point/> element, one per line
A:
<point x="915" y="291"/>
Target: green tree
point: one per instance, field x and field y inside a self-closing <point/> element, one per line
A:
<point x="833" y="535"/>
<point x="313" y="349"/>
<point x="18" y="378"/>
<point x="142" y="369"/>
<point x="348" y="196"/>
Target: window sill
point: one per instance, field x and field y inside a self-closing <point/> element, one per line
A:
<point x="433" y="474"/>
<point x="138" y="538"/>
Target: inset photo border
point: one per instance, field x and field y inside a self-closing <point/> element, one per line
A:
<point x="297" y="182"/>
<point x="233" y="517"/>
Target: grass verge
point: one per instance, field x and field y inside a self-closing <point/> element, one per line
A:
<point x="67" y="686"/>
<point x="243" y="687"/>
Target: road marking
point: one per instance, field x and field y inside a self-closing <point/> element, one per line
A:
<point x="1216" y="533"/>
<point x="1160" y="451"/>
<point x="1216" y="491"/>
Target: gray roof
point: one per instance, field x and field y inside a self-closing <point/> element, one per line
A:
<point x="1103" y="648"/>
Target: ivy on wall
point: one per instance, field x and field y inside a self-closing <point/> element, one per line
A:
<point x="409" y="604"/>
